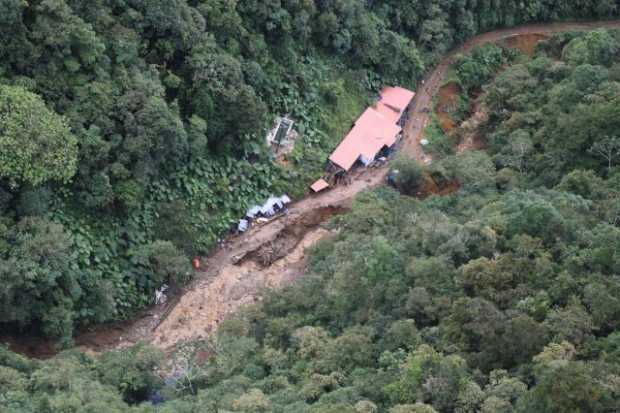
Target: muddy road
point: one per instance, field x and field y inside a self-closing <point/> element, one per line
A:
<point x="272" y="255"/>
<point x="266" y="256"/>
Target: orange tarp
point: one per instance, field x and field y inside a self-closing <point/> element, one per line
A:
<point x="319" y="185"/>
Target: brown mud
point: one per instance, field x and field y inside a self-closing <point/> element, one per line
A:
<point x="526" y="43"/>
<point x="447" y="104"/>
<point x="470" y="131"/>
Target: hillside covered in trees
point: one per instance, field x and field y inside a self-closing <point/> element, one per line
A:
<point x="500" y="297"/>
<point x="145" y="124"/>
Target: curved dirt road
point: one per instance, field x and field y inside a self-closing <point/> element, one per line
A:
<point x="236" y="273"/>
<point x="423" y="101"/>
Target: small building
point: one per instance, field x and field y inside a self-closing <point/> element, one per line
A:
<point x="377" y="130"/>
<point x="282" y="137"/>
<point x="280" y="131"/>
<point x="319" y="185"/>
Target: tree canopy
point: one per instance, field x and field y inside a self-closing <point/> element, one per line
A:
<point x="36" y="145"/>
<point x="490" y="297"/>
<point x="132" y="138"/>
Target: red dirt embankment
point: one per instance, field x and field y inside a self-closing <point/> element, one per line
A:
<point x="526" y="43"/>
<point x="447" y="104"/>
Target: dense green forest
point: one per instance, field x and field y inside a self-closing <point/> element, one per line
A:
<point x="500" y="297"/>
<point x="131" y="132"/>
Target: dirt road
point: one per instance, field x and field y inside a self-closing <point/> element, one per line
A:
<point x="235" y="275"/>
<point x="423" y="101"/>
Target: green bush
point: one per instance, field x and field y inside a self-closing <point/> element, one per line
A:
<point x="410" y="177"/>
<point x="36" y="144"/>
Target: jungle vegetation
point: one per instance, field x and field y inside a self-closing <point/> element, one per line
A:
<point x="501" y="297"/>
<point x="145" y="125"/>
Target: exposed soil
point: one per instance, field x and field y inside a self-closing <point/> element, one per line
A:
<point x="236" y="273"/>
<point x="447" y="104"/>
<point x="202" y="309"/>
<point x="431" y="187"/>
<point x="470" y="131"/>
<point x="267" y="256"/>
<point x="289" y="238"/>
<point x="526" y="43"/>
<point x="28" y="345"/>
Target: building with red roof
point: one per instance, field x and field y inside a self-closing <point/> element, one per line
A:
<point x="378" y="128"/>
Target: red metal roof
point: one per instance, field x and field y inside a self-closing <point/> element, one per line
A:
<point x="388" y="112"/>
<point x="375" y="129"/>
<point x="396" y="97"/>
<point x="372" y="131"/>
<point x="319" y="185"/>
